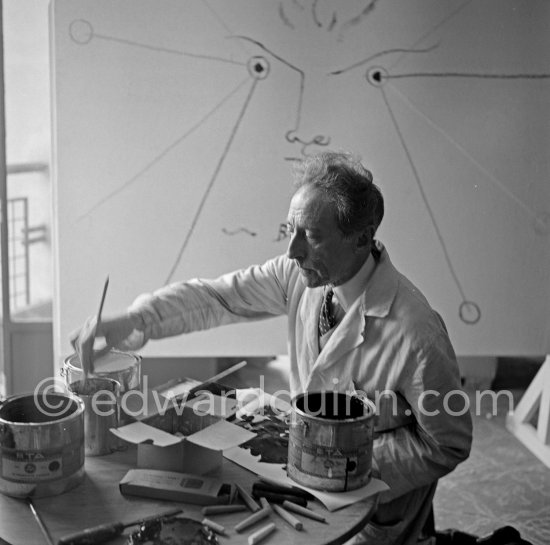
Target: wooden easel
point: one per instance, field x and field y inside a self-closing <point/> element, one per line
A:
<point x="537" y="396"/>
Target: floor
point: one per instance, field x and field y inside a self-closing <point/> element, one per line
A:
<point x="501" y="483"/>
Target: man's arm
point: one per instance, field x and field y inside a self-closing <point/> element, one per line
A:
<point x="417" y="454"/>
<point x="255" y="293"/>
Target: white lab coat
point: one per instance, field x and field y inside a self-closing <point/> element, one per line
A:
<point x="390" y="339"/>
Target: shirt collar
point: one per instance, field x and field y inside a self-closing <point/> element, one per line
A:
<point x="348" y="292"/>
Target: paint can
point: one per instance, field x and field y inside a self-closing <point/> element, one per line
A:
<point x="330" y="441"/>
<point x="124" y="367"/>
<point x="41" y="444"/>
<point x="101" y="398"/>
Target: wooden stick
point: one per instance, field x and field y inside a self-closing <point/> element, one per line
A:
<point x="255" y="517"/>
<point x="265" y="503"/>
<point x="218" y="528"/>
<point x="287" y="517"/>
<point x="257" y="536"/>
<point x="247" y="498"/>
<point x="221" y="509"/>
<point x="303" y="511"/>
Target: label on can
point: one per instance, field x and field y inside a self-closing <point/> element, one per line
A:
<point x="30" y="466"/>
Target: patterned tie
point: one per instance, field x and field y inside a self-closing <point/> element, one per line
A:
<point x="327" y="319"/>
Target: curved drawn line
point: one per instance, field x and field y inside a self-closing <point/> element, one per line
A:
<point x="284" y="17"/>
<point x="333" y="21"/>
<point x="478" y="75"/>
<point x="476" y="163"/>
<point x="292" y="67"/>
<point x="237" y="231"/>
<point x="358" y="18"/>
<point x="424" y="196"/>
<point x="221" y="21"/>
<point x="314" y="13"/>
<point x="212" y="181"/>
<point x="262" y="46"/>
<point x="381" y="54"/>
<point x="156" y="159"/>
<point x="432" y="30"/>
<point x="165" y="49"/>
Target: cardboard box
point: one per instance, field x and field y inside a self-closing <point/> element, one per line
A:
<point x="183" y="436"/>
<point x="198" y="453"/>
<point x="175" y="486"/>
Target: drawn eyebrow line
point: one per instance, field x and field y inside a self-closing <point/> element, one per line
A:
<point x="380" y="54"/>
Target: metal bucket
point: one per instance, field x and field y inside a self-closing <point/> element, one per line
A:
<point x="41" y="444"/>
<point x="330" y="441"/>
<point x="124" y="367"/>
<point x="101" y="397"/>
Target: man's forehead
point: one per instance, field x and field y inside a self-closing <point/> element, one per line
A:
<point x="309" y="205"/>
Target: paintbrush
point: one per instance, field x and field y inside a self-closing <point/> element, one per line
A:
<point x="98" y="322"/>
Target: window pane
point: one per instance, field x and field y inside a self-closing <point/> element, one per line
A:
<point x="27" y="103"/>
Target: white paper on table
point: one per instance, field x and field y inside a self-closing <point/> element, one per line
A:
<point x="221" y="435"/>
<point x="331" y="500"/>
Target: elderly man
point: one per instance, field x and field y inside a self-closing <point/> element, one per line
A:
<point x="354" y="323"/>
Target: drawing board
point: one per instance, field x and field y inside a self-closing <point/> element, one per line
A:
<point x="176" y="126"/>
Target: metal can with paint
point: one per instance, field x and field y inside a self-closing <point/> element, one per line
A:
<point x="330" y="441"/>
<point x="124" y="367"/>
<point x="41" y="444"/>
<point x="101" y="397"/>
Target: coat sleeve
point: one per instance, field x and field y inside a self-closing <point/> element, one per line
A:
<point x="255" y="293"/>
<point x="417" y="454"/>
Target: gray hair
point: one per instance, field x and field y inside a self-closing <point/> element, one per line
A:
<point x="348" y="185"/>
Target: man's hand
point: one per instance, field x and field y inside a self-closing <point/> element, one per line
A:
<point x="113" y="330"/>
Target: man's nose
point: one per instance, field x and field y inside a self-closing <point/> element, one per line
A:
<point x="295" y="248"/>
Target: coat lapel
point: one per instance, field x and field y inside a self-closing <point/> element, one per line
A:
<point x="348" y="335"/>
<point x="309" y="316"/>
<point x="375" y="302"/>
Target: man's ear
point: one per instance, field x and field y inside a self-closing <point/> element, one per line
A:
<point x="364" y="240"/>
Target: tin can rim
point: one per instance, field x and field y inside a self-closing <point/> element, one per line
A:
<point x="80" y="407"/>
<point x="365" y="401"/>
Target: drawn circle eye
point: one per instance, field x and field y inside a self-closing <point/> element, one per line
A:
<point x="258" y="67"/>
<point x="377" y="76"/>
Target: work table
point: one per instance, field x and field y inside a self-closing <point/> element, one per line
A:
<point x="97" y="500"/>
